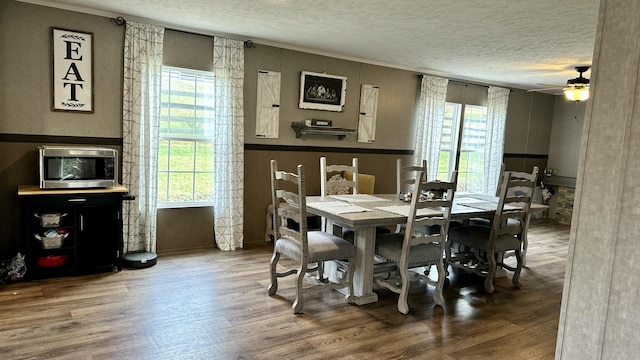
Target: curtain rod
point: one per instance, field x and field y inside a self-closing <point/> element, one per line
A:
<point x="466" y="83"/>
<point x="120" y="21"/>
<point x="456" y="81"/>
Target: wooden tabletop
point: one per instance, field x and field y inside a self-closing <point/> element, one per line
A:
<point x="383" y="218"/>
<point x="24" y="190"/>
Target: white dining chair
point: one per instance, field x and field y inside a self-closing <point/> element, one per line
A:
<point x="418" y="249"/>
<point x="405" y="177"/>
<point x="480" y="249"/>
<point x="487" y="221"/>
<point x="333" y="182"/>
<point x="301" y="245"/>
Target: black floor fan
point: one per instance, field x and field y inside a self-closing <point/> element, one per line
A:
<point x="137" y="259"/>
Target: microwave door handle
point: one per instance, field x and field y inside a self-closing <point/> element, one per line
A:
<point x="81" y="223"/>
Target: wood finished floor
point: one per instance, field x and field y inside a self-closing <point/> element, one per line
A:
<point x="210" y="304"/>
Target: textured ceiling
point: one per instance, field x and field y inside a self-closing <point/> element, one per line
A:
<point x="514" y="43"/>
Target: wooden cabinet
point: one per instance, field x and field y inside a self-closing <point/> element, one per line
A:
<point x="84" y="226"/>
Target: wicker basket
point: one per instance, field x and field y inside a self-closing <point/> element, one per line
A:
<point x="50" y="220"/>
<point x="53" y="242"/>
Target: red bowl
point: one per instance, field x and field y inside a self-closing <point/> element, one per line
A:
<point x="52" y="260"/>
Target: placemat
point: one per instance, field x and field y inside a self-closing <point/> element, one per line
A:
<point x="404" y="210"/>
<point x="358" y="198"/>
<point x="337" y="207"/>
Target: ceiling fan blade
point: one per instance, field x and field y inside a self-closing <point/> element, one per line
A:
<point x="552" y="85"/>
<point x="546" y="89"/>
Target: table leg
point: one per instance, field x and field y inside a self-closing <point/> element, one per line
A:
<point x="363" y="276"/>
<point x="363" y="272"/>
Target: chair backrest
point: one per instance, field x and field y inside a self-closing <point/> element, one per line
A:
<point x="289" y="204"/>
<point x="332" y="181"/>
<point x="427" y="211"/>
<point x="500" y="180"/>
<point x="514" y="202"/>
<point x="405" y="175"/>
<point x="366" y="182"/>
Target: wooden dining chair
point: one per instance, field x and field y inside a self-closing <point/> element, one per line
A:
<point x="487" y="221"/>
<point x="332" y="182"/>
<point x="480" y="249"/>
<point x="405" y="177"/>
<point x="300" y="245"/>
<point x="417" y="249"/>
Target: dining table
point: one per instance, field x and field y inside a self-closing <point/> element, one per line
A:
<point x="363" y="213"/>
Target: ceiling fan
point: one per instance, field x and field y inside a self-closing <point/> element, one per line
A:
<point x="577" y="89"/>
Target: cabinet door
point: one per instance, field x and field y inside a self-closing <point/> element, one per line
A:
<point x="98" y="236"/>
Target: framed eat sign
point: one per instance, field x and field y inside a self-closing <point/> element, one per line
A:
<point x="72" y="55"/>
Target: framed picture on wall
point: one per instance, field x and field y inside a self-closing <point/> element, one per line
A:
<point x="72" y="57"/>
<point x="322" y="91"/>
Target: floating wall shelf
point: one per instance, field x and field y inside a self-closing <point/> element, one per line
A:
<point x="301" y="129"/>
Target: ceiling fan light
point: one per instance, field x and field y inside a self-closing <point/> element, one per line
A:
<point x="576" y="93"/>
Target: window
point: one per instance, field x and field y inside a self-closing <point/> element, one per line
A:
<point x="449" y="141"/>
<point x="471" y="143"/>
<point x="185" y="159"/>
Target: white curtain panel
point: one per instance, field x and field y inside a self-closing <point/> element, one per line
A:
<point x="140" y="129"/>
<point x="430" y="118"/>
<point x="228" y="70"/>
<point x="497" y="103"/>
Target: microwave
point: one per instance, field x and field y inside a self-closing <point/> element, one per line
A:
<point x="66" y="167"/>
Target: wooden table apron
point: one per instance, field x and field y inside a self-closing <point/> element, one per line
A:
<point x="364" y="224"/>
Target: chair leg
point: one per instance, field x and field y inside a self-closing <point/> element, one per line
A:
<point x="488" y="282"/>
<point x="403" y="307"/>
<point x="273" y="287"/>
<point x="269" y="224"/>
<point x="525" y="242"/>
<point x="447" y="257"/>
<point x="516" y="273"/>
<point x="352" y="264"/>
<point x="437" y="296"/>
<point x="299" y="302"/>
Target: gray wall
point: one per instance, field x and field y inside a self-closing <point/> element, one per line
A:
<point x="26" y="120"/>
<point x="566" y="136"/>
<point x="396" y="98"/>
<point x="25" y="73"/>
<point x="600" y="312"/>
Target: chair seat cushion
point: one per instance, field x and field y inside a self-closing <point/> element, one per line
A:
<point x="478" y="237"/>
<point x="389" y="246"/>
<point x="322" y="246"/>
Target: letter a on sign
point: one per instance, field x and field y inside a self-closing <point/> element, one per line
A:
<point x="72" y="54"/>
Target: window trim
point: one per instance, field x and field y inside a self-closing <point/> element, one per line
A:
<point x="455" y="135"/>
<point x="190" y="139"/>
<point x="459" y="131"/>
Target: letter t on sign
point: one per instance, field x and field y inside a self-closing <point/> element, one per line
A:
<point x="72" y="53"/>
